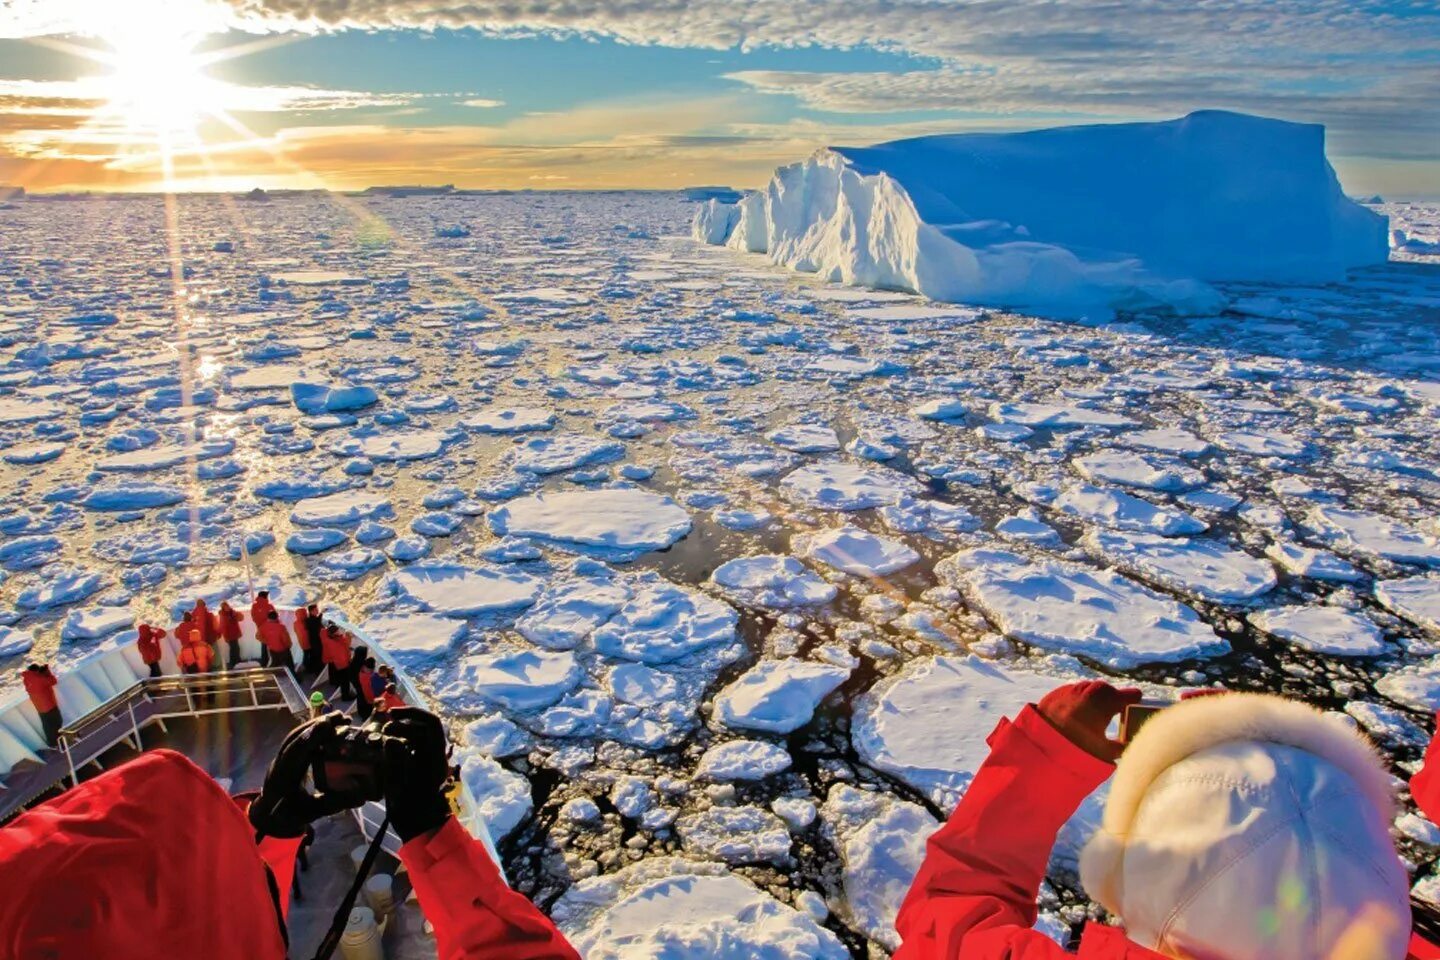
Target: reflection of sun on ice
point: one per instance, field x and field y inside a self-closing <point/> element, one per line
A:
<point x="157" y="81"/>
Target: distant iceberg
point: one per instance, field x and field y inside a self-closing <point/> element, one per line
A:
<point x="1071" y="221"/>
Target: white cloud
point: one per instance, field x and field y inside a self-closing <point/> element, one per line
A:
<point x="482" y="103"/>
<point x="1370" y="69"/>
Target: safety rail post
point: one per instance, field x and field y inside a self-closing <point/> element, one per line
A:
<point x="69" y="760"/>
<point x="134" y="727"/>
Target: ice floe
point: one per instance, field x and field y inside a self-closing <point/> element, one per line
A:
<point x="777" y="696"/>
<point x="1069" y="608"/>
<point x="626" y="521"/>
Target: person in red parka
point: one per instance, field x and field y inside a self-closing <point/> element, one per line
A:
<point x="260" y="609"/>
<point x="276" y="639"/>
<point x="148" y="643"/>
<point x="206" y="624"/>
<point x="1237" y="827"/>
<point x="185" y="630"/>
<point x="196" y="658"/>
<point x="337" y="660"/>
<point x="229" y="619"/>
<point x="40" y="686"/>
<point x="207" y="885"/>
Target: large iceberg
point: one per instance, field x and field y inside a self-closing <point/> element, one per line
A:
<point x="1069" y="221"/>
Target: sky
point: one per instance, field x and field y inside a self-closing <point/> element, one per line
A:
<point x="584" y="94"/>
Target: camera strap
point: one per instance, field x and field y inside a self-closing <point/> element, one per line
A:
<point x="342" y="915"/>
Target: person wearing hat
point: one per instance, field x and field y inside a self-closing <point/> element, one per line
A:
<point x="318" y="704"/>
<point x="1237" y="827"/>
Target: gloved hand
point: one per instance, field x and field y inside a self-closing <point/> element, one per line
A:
<point x="417" y="767"/>
<point x="1082" y="712"/>
<point x="285" y="807"/>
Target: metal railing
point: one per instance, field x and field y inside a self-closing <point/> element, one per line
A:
<point x="155" y="700"/>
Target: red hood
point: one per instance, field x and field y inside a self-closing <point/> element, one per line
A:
<point x="151" y="859"/>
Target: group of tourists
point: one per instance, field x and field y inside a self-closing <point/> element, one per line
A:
<point x="325" y="649"/>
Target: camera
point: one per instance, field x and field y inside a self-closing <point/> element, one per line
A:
<point x="354" y="762"/>
<point x="1136" y="715"/>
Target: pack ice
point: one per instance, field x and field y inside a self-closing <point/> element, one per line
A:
<point x="1067" y="221"/>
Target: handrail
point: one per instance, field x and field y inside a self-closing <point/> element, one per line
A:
<point x="152" y="700"/>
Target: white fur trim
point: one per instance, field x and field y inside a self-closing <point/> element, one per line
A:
<point x="1200" y="723"/>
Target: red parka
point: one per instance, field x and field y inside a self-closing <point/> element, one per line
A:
<point x="260" y="608"/>
<point x="148" y="643"/>
<point x="105" y="876"/>
<point x="229" y="619"/>
<point x="335" y="648"/>
<point x="974" y="897"/>
<point x="302" y="636"/>
<point x="197" y="655"/>
<point x="40" y="685"/>
<point x="273" y="634"/>
<point x="205" y="623"/>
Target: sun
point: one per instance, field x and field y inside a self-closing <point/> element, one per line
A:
<point x="156" y="81"/>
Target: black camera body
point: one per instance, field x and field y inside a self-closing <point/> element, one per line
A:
<point x="354" y="762"/>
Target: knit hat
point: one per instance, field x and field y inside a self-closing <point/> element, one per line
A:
<point x="1251" y="827"/>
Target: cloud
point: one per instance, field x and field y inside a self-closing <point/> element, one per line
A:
<point x="482" y="103"/>
<point x="89" y="93"/>
<point x="1366" y="68"/>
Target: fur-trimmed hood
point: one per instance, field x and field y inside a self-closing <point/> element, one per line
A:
<point x="1250" y="826"/>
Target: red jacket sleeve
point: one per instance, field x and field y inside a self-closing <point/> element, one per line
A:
<point x="1425" y="785"/>
<point x="476" y="914"/>
<point x="974" y="896"/>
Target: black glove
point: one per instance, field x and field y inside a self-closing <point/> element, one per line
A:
<point x="417" y="767"/>
<point x="285" y="807"/>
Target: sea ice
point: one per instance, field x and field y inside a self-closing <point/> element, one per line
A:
<point x="736" y="835"/>
<point x="132" y="496"/>
<point x="836" y="485"/>
<point x="521" y="680"/>
<point x="1207" y="569"/>
<point x="317" y="398"/>
<point x="928" y="725"/>
<point x="662" y="622"/>
<point x="857" y="551"/>
<point x="416" y="636"/>
<point x="742" y="760"/>
<point x="882" y="843"/>
<point x="805" y="438"/>
<point x="772" y="581"/>
<point x="1417" y="599"/>
<point x="546" y="455"/>
<point x="612" y="519"/>
<point x="1134" y="470"/>
<point x="455" y="591"/>
<point x="1416" y="686"/>
<point x="1328" y="630"/>
<point x="570" y="612"/>
<point x="1365" y="534"/>
<point x="670" y="908"/>
<point x="1073" y="609"/>
<point x="1309" y="562"/>
<point x="343" y="509"/>
<point x="510" y="420"/>
<point x="1121" y="511"/>
<point x="777" y="696"/>
<point x="502" y="798"/>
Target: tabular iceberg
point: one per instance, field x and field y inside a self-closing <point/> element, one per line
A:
<point x="1069" y="221"/>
